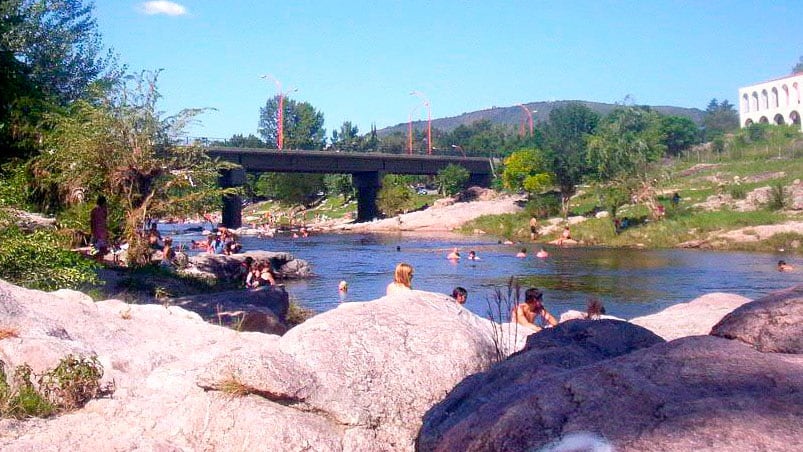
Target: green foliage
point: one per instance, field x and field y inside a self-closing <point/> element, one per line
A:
<point x="567" y="135"/>
<point x="680" y="133"/>
<point x="340" y="184"/>
<point x="395" y="196"/>
<point x="292" y="188"/>
<point x="120" y="147"/>
<point x="69" y="386"/>
<point x="625" y="144"/>
<point x="527" y="170"/>
<point x="613" y="196"/>
<point x="779" y="198"/>
<point x="798" y="67"/>
<point x="40" y="261"/>
<point x="452" y="179"/>
<point x="738" y="192"/>
<point x="543" y="205"/>
<point x="303" y="125"/>
<point x="240" y="141"/>
<point x="719" y="118"/>
<point x="14" y="185"/>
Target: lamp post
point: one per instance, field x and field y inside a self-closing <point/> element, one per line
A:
<point x="529" y="119"/>
<point x="410" y="131"/>
<point x="280" y="113"/>
<point x="429" y="119"/>
<point x="459" y="148"/>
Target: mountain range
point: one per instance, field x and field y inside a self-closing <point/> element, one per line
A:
<point x="515" y="115"/>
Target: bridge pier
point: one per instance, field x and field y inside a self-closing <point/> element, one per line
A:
<point x="367" y="184"/>
<point x="480" y="180"/>
<point x="232" y="204"/>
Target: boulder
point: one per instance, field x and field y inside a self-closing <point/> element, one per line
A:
<point x="229" y="267"/>
<point x="272" y="299"/>
<point x="693" y="318"/>
<point x="773" y="323"/>
<point x="482" y="397"/>
<point x="357" y="378"/>
<point x="694" y="393"/>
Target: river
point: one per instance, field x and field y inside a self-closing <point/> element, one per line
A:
<point x="630" y="282"/>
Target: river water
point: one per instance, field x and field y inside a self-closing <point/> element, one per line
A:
<point x="629" y="282"/>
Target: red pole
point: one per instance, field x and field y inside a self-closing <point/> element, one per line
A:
<point x="429" y="130"/>
<point x="281" y="121"/>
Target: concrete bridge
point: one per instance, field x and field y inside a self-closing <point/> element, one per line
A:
<point x="366" y="169"/>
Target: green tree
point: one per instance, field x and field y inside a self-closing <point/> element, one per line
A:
<point x="347" y="139"/>
<point x="452" y="179"/>
<point x="303" y="125"/>
<point x="626" y="142"/>
<point x="567" y="133"/>
<point x="119" y="146"/>
<point x="527" y="170"/>
<point x="340" y="184"/>
<point x="240" y="141"/>
<point x="719" y="118"/>
<point x="395" y="196"/>
<point x="290" y="188"/>
<point x="680" y="133"/>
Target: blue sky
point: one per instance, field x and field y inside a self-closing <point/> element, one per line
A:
<point x="358" y="61"/>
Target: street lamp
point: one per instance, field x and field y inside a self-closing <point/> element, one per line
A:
<point x="410" y="131"/>
<point x="280" y="113"/>
<point x="459" y="148"/>
<point x="429" y="119"/>
<point x="529" y="119"/>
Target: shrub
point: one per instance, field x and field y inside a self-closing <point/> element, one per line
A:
<point x="40" y="261"/>
<point x="738" y="192"/>
<point x="544" y="205"/>
<point x="778" y="197"/>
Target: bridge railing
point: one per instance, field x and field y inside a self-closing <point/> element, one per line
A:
<point x="380" y="148"/>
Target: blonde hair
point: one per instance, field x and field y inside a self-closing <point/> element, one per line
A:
<point x="403" y="274"/>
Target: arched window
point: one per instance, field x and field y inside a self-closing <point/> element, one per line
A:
<point x="765" y="100"/>
<point x="748" y="123"/>
<point x="779" y="119"/>
<point x="794" y="117"/>
<point x="764" y="120"/>
<point x="745" y="103"/>
<point x="755" y="102"/>
<point x="795" y="93"/>
<point x="774" y="97"/>
<point x="785" y="90"/>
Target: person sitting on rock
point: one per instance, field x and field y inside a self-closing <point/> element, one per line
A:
<point x="402" y="279"/>
<point x="595" y="310"/>
<point x="532" y="314"/>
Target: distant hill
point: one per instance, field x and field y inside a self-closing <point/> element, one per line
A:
<point x="513" y="115"/>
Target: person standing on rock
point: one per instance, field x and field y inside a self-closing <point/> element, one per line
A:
<point x="532" y="314"/>
<point x="402" y="279"/>
<point x="98" y="227"/>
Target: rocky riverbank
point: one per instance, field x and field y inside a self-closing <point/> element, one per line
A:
<point x="379" y="374"/>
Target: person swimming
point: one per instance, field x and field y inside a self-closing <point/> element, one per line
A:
<point x="454" y="255"/>
<point x="522" y="253"/>
<point x="542" y="254"/>
<point x="473" y="256"/>
<point x="784" y="267"/>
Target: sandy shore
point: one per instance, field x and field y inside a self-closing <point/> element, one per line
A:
<point x="444" y="216"/>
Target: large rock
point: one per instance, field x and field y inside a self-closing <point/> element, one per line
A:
<point x="770" y="324"/>
<point x="693" y="318"/>
<point x="229" y="267"/>
<point x="694" y="393"/>
<point x="480" y="399"/>
<point x="357" y="378"/>
<point x="263" y="310"/>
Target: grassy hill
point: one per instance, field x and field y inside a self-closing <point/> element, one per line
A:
<point x="513" y="115"/>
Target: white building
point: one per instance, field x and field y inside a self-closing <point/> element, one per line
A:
<point x="774" y="102"/>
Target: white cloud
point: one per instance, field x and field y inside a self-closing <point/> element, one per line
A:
<point x="164" y="7"/>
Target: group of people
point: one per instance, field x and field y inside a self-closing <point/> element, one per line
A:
<point x="223" y="241"/>
<point x="454" y="255"/>
<point x="257" y="273"/>
<point x="530" y="314"/>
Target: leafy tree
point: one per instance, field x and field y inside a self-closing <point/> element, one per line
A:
<point x="303" y="125"/>
<point x="626" y="142"/>
<point x="59" y="43"/>
<point x="239" y="141"/>
<point x="566" y="134"/>
<point x="347" y="139"/>
<point x="719" y="118"/>
<point x="340" y="184"/>
<point x="452" y="179"/>
<point x="680" y="133"/>
<point x="118" y="145"/>
<point x="395" y="196"/>
<point x="290" y="188"/>
<point x="527" y="170"/>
